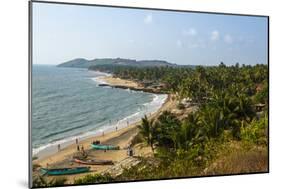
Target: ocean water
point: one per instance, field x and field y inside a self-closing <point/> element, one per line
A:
<point x="67" y="103"/>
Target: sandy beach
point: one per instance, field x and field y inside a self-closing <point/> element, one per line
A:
<point x="128" y="84"/>
<point x="113" y="81"/>
<point x="121" y="137"/>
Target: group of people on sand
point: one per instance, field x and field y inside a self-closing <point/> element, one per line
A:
<point x="80" y="149"/>
<point x="96" y="142"/>
<point x="77" y="143"/>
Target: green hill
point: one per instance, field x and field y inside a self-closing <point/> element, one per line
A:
<point x="84" y="63"/>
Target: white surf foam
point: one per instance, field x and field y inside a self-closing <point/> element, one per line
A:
<point x="144" y="109"/>
<point x="99" y="80"/>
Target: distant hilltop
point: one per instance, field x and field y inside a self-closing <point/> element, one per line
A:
<point x="84" y="63"/>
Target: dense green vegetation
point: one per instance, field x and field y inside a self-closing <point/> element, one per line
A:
<point x="226" y="96"/>
<point x="193" y="148"/>
<point x="40" y="181"/>
<point x="226" y="135"/>
<point x="90" y="179"/>
<point x="199" y="83"/>
<point x="84" y="63"/>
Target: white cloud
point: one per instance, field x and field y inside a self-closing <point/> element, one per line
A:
<point x="148" y="19"/>
<point x="190" y="32"/>
<point x="228" y="39"/>
<point x="179" y="43"/>
<point x="215" y="35"/>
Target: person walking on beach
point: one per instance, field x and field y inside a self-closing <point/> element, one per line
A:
<point x="58" y="147"/>
<point x="83" y="151"/>
<point x="116" y="128"/>
<point x="130" y="151"/>
<point x="76" y="140"/>
<point x="78" y="148"/>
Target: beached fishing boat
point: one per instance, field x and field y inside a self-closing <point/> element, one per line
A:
<point x="104" y="147"/>
<point x="64" y="171"/>
<point x="93" y="162"/>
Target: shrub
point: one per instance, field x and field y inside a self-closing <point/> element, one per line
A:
<point x="255" y="132"/>
<point x="240" y="161"/>
<point x="90" y="179"/>
<point x="40" y="181"/>
<point x="180" y="106"/>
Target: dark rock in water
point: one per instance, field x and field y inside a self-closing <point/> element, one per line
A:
<point x="149" y="90"/>
<point x="103" y="85"/>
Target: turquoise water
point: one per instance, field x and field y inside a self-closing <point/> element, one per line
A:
<point x="68" y="103"/>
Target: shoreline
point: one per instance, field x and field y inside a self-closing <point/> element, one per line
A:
<point x="115" y="82"/>
<point x="122" y="137"/>
<point x="103" y="78"/>
<point x="52" y="148"/>
<point x="69" y="147"/>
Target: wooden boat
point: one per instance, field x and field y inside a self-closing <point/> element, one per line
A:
<point x="64" y="171"/>
<point x="104" y="147"/>
<point x="93" y="162"/>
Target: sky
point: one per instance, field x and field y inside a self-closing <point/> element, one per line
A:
<point x="63" y="32"/>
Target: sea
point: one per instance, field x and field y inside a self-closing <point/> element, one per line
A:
<point x="68" y="104"/>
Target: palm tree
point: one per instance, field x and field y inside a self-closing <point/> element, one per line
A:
<point x="212" y="120"/>
<point x="230" y="109"/>
<point x="168" y="126"/>
<point x="188" y="130"/>
<point x="148" y="131"/>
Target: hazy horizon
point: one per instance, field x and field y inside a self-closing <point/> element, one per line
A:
<point x="66" y="32"/>
<point x="216" y="64"/>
